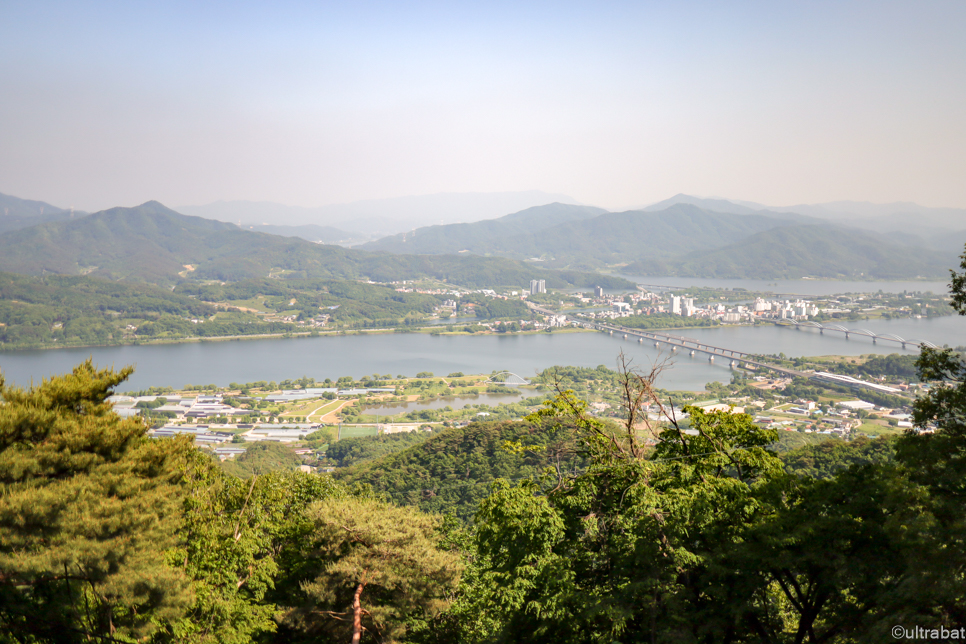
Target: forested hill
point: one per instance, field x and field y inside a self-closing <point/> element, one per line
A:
<point x="583" y="236"/>
<point x="680" y="239"/>
<point x="793" y="252"/>
<point x="453" y="471"/>
<point x="511" y="235"/>
<point x="16" y="213"/>
<point x="151" y="243"/>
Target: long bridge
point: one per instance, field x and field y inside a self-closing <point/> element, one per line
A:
<point x="736" y="358"/>
<point x="739" y="358"/>
<point x="822" y="328"/>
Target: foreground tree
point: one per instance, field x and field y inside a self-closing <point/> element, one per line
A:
<point x="377" y="567"/>
<point x="239" y="542"/>
<point x="935" y="457"/>
<point x="703" y="538"/>
<point x="628" y="549"/>
<point x="88" y="507"/>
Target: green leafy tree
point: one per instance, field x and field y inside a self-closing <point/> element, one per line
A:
<point x="377" y="567"/>
<point x="933" y="454"/>
<point x="625" y="550"/>
<point x="238" y="540"/>
<point x="825" y="560"/>
<point x="88" y="507"/>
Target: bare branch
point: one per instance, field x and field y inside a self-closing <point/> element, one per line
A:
<point x="244" y="505"/>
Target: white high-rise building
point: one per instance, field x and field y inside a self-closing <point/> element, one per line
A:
<point x="676" y="304"/>
<point x="538" y="286"/>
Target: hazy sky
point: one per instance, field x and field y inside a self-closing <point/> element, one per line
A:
<point x="616" y="104"/>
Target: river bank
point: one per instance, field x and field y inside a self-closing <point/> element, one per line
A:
<point x="332" y="356"/>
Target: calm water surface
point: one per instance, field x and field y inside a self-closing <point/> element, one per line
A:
<point x="323" y="357"/>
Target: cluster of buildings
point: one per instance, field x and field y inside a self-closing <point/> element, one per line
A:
<point x="223" y="443"/>
<point x="647" y="303"/>
<point x="177" y="406"/>
<point x="211" y="406"/>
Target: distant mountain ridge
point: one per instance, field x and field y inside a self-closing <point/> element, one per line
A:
<point x="900" y="216"/>
<point x="794" y="252"/>
<point x="309" y="232"/>
<point x="379" y="217"/>
<point x="679" y="237"/>
<point x="154" y="244"/>
<point x="585" y="237"/>
<point x="716" y="205"/>
<point x="17" y="213"/>
<point x="502" y="236"/>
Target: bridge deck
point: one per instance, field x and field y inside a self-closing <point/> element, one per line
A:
<point x="692" y="344"/>
<point x="679" y="342"/>
<point x="704" y="348"/>
<point x="849" y="332"/>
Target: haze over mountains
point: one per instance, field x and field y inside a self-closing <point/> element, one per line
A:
<point x="683" y="236"/>
<point x="579" y="235"/>
<point x="16" y="213"/>
<point x="904" y="222"/>
<point x="688" y="236"/>
<point x="379" y="217"/>
<point x="154" y="244"/>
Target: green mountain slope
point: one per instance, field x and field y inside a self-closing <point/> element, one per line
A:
<point x="58" y="310"/>
<point x="618" y="238"/>
<point x="793" y="252"/>
<point x="453" y="470"/>
<point x="509" y="236"/>
<point x="579" y="237"/>
<point x="151" y="243"/>
<point x="16" y="213"/>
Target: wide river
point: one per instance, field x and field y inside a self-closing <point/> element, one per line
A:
<point x="323" y="357"/>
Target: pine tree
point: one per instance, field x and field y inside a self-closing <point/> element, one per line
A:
<point x="88" y="506"/>
<point x="378" y="566"/>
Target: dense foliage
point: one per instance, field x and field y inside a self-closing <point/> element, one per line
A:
<point x="89" y="506"/>
<point x="350" y="451"/>
<point x="575" y="529"/>
<point x="826" y="459"/>
<point x="894" y="364"/>
<point x="107" y="535"/>
<point x="82" y="310"/>
<point x="262" y="457"/>
<point x="664" y="321"/>
<point x="452" y="472"/>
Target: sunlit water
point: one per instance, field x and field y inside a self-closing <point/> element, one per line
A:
<point x="323" y="357"/>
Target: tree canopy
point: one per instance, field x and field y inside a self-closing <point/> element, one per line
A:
<point x="89" y="506"/>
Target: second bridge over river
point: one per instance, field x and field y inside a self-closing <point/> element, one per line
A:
<point x="736" y="358"/>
